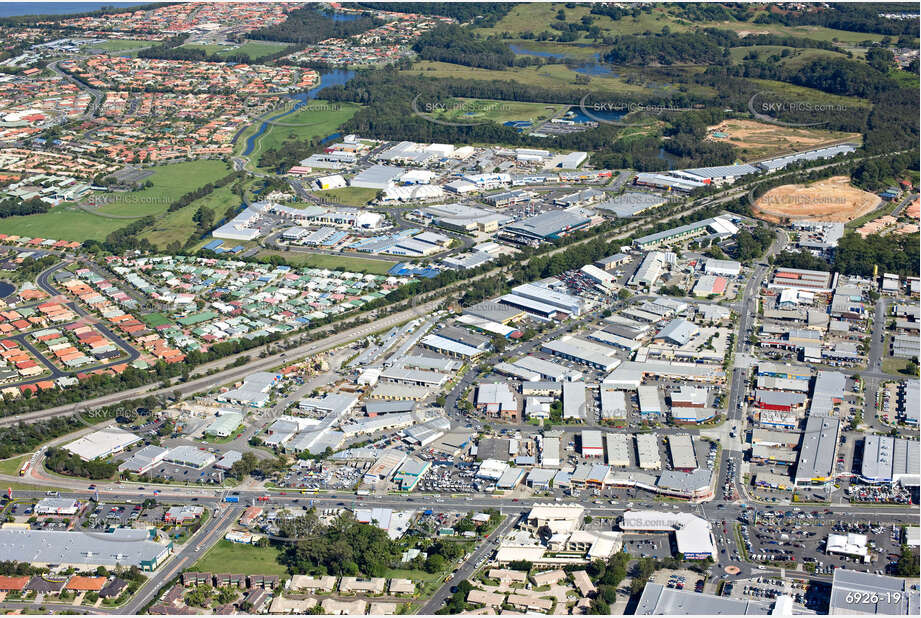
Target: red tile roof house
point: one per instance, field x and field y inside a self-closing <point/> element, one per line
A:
<point x="12" y="584"/>
<point x="86" y="584"/>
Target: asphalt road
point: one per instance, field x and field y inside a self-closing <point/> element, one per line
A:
<point x="465" y="570"/>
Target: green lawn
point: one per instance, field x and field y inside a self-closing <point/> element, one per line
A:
<point x="11" y="466"/>
<point x="321" y="260"/>
<point x="253" y="49"/>
<point x="178" y="225"/>
<point x="235" y="558"/>
<point x="350" y="196"/>
<point x="895" y="366"/>
<point x="69" y="222"/>
<point x="122" y="45"/>
<point x="315" y="119"/>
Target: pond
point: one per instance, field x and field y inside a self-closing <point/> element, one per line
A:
<point x="594" y="67"/>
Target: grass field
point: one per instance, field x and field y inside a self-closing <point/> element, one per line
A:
<point x="12" y="465"/>
<point x="69" y="222"/>
<point x="536" y="18"/>
<point x="895" y="366"/>
<point x="797" y="57"/>
<point x="811" y="95"/>
<point x="234" y="558"/>
<point x="464" y="109"/>
<point x="122" y="45"/>
<point x="178" y="225"/>
<point x="316" y="119"/>
<point x="322" y="260"/>
<point x="253" y="49"/>
<point x="553" y="76"/>
<point x="350" y="196"/>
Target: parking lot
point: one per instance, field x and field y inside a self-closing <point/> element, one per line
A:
<point x="449" y="479"/>
<point x="656" y="546"/>
<point x="174" y="473"/>
<point x="103" y="515"/>
<point x="800" y="536"/>
<point x="313" y="475"/>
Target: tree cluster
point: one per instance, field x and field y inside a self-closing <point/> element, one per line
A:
<point x="853" y="17"/>
<point x="63" y="462"/>
<point x="458" y="45"/>
<point x="14" y="207"/>
<point x="666" y="49"/>
<point x="309" y="24"/>
<point x="345" y="547"/>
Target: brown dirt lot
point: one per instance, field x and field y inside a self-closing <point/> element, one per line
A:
<point x="759" y="140"/>
<point x="833" y="199"/>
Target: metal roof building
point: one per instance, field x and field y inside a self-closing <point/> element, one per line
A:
<point x="817" y="451"/>
<point x="582" y="351"/>
<point x="378" y="177"/>
<point x="771" y="165"/>
<point x="190" y="456"/>
<point x="891" y="460"/>
<point x="613" y="403"/>
<point x="516" y="372"/>
<point x="720" y="226"/>
<point x="617" y="341"/>
<point x="678" y="332"/>
<point x="910" y="401"/>
<point x="693" y="534"/>
<point x="681" y="451"/>
<point x="631" y="203"/>
<point x="658" y="600"/>
<point x="828" y="389"/>
<point x="592" y="445"/>
<point x="532" y="307"/>
<point x="647" y="449"/>
<point x="449" y="347"/>
<point x="574" y="400"/>
<point x="618" y="449"/>
<point x="650" y="403"/>
<point x="102" y="443"/>
<point x="549" y="225"/>
<point x="649" y="270"/>
<point x="565" y="302"/>
<point x="723" y="172"/>
<point x="550" y="452"/>
<point x="859" y="593"/>
<point x="225" y="424"/>
<point x="144" y="459"/>
<point x="83" y="550"/>
<point x="547" y="369"/>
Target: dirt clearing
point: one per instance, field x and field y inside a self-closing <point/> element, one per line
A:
<point x="759" y="140"/>
<point x="833" y="199"/>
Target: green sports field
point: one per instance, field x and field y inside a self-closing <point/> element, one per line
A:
<point x="322" y="260"/>
<point x="69" y="222"/>
<point x="252" y="49"/>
